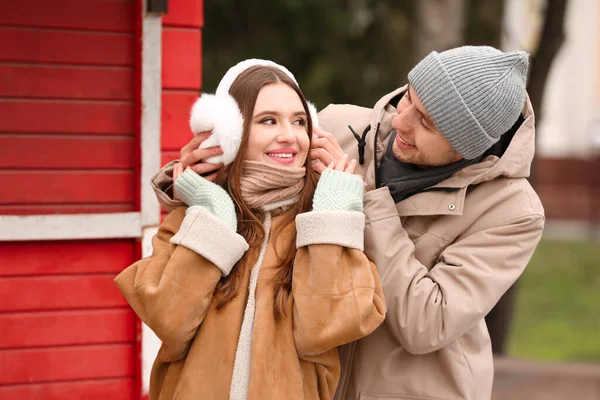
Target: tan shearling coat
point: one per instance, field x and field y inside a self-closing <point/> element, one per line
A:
<point x="336" y="298"/>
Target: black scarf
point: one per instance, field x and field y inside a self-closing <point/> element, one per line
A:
<point x="404" y="179"/>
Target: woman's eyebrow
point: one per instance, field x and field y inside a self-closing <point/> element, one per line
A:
<point x="279" y="113"/>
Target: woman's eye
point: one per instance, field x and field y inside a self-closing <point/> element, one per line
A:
<point x="300" y="121"/>
<point x="268" y="121"/>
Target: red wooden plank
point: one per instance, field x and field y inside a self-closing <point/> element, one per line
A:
<point x="66" y="152"/>
<point x="181" y="50"/>
<point x="59" y="293"/>
<point x="55" y="187"/>
<point x="66" y="257"/>
<point x="175" y="119"/>
<point x="61" y="328"/>
<point x="56" y="82"/>
<point x="93" y="15"/>
<point x="79" y="48"/>
<point x="185" y="13"/>
<point x="38" y="209"/>
<point x="67" y="363"/>
<point x="113" y="389"/>
<point x="93" y="117"/>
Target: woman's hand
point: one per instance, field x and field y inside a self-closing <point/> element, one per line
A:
<point x="177" y="171"/>
<point x="349" y="167"/>
<point x="196" y="191"/>
<point x="339" y="189"/>
<point x="191" y="156"/>
<point x="344" y="165"/>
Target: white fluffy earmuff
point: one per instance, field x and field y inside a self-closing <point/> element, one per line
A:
<point x="221" y="114"/>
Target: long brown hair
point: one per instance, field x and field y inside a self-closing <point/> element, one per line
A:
<point x="245" y="91"/>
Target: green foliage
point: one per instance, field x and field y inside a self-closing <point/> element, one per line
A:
<point x="484" y="22"/>
<point x="342" y="51"/>
<point x="557" y="315"/>
<point x="347" y="51"/>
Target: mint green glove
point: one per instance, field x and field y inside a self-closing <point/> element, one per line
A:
<point x="195" y="191"/>
<point x="338" y="191"/>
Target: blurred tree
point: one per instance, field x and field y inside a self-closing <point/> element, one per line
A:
<point x="485" y="25"/>
<point x="484" y="22"/>
<point x="439" y="25"/>
<point x="552" y="36"/>
<point x="344" y="51"/>
<point x="551" y="39"/>
<point x="340" y="50"/>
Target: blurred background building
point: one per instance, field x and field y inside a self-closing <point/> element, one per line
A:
<point x="94" y="98"/>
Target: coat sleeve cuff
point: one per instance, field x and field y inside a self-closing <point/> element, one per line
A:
<point x="342" y="228"/>
<point x="379" y="205"/>
<point x="162" y="184"/>
<point x="210" y="237"/>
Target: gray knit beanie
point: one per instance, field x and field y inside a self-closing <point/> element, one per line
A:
<point x="473" y="94"/>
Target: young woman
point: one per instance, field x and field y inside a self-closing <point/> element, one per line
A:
<point x="254" y="285"/>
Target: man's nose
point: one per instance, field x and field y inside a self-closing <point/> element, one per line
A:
<point x="402" y="121"/>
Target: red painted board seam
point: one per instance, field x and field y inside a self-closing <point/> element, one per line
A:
<point x="63" y="381"/>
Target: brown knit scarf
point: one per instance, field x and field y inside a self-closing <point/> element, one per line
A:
<point x="263" y="183"/>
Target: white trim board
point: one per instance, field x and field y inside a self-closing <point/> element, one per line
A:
<point x="151" y="113"/>
<point x="70" y="226"/>
<point x="151" y="159"/>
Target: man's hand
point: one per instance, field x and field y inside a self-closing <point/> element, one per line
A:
<point x="324" y="150"/>
<point x="191" y="156"/>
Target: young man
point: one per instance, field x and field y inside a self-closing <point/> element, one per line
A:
<point x="451" y="221"/>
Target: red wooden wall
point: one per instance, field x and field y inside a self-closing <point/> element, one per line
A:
<point x="67" y="112"/>
<point x="68" y="144"/>
<point x="65" y="331"/>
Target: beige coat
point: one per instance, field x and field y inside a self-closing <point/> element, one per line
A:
<point x="445" y="258"/>
<point x="336" y="298"/>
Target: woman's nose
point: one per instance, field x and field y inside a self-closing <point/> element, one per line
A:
<point x="286" y="133"/>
